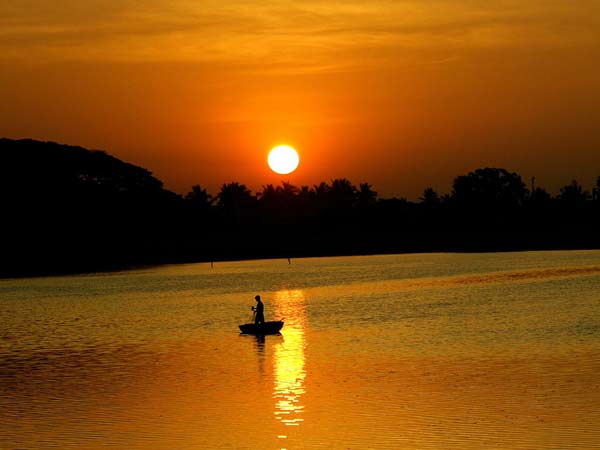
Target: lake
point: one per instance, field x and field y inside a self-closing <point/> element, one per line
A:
<point x="418" y="351"/>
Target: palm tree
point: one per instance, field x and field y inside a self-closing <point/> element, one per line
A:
<point x="199" y="197"/>
<point x="287" y="190"/>
<point x="342" y="193"/>
<point x="268" y="193"/>
<point x="366" y="195"/>
<point x="321" y="190"/>
<point x="305" y="194"/>
<point x="234" y="196"/>
<point x="320" y="193"/>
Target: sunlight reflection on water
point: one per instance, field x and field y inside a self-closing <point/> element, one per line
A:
<point x="289" y="358"/>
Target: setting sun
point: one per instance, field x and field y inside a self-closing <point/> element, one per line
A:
<point x="283" y="159"/>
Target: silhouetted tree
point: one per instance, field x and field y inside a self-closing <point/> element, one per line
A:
<point x="268" y="194"/>
<point x="538" y="198"/>
<point x="278" y="203"/>
<point x="235" y="201"/>
<point x="321" y="190"/>
<point x="67" y="208"/>
<point x="342" y="194"/>
<point x="490" y="188"/>
<point x="199" y="198"/>
<point x="596" y="190"/>
<point x="321" y="196"/>
<point x="573" y="194"/>
<point x="430" y="197"/>
<point x="305" y="194"/>
<point x="288" y="190"/>
<point x="305" y="203"/>
<point x="366" y="196"/>
<point x="234" y="195"/>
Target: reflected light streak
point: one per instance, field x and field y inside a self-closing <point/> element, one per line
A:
<point x="289" y="358"/>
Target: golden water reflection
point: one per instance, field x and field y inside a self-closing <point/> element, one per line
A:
<point x="289" y="358"/>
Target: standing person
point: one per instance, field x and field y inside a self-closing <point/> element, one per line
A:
<point x="259" y="310"/>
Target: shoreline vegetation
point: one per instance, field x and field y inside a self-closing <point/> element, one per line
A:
<point x="70" y="210"/>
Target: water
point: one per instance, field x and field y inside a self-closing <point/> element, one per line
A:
<point x="444" y="351"/>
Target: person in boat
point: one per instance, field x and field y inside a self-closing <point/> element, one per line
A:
<point x="259" y="310"/>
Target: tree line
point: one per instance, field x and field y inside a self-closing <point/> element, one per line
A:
<point x="69" y="209"/>
<point x="480" y="192"/>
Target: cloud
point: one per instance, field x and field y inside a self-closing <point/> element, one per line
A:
<point x="309" y="34"/>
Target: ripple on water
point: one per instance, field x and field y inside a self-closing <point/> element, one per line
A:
<point x="384" y="352"/>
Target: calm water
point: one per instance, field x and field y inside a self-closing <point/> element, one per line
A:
<point x="479" y="351"/>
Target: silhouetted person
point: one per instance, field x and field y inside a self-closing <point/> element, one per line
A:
<point x="259" y="311"/>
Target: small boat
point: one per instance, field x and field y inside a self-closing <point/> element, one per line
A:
<point x="263" y="328"/>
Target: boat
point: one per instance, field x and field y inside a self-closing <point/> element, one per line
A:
<point x="262" y="329"/>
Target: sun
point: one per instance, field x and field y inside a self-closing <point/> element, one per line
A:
<point x="283" y="159"/>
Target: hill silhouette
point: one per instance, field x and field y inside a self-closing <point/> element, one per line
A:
<point x="68" y="209"/>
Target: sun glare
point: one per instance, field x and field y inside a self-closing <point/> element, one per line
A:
<point x="283" y="159"/>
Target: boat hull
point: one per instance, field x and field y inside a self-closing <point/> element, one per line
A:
<point x="262" y="329"/>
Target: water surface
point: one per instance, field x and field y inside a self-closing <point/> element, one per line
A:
<point x="464" y="351"/>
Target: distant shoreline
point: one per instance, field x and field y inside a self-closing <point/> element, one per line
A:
<point x="141" y="266"/>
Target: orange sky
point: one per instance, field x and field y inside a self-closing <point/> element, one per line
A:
<point x="402" y="94"/>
